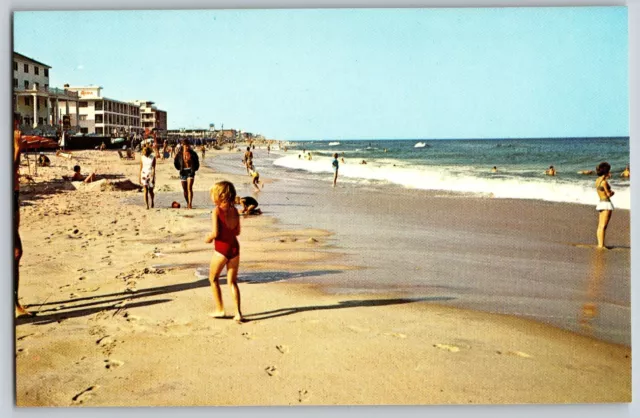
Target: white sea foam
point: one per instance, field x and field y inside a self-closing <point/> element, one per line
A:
<point x="463" y="180"/>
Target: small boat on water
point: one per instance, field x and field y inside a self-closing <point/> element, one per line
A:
<point x="332" y="144"/>
<point x="420" y="145"/>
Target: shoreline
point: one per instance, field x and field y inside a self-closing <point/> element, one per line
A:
<point x="431" y="230"/>
<point x="105" y="310"/>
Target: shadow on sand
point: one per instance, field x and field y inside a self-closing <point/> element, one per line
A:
<point x="57" y="311"/>
<point x="342" y="305"/>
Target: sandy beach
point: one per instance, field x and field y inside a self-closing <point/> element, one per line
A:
<point x="122" y="298"/>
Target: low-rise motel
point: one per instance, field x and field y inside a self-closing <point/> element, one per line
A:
<point x="43" y="108"/>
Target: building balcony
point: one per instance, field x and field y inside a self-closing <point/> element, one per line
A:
<point x="52" y="92"/>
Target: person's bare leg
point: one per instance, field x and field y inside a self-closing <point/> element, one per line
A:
<point x="146" y="196"/>
<point x="185" y="191"/>
<point x="190" y="191"/>
<point x="232" y="279"/>
<point x="17" y="255"/>
<point x="90" y="178"/>
<point x="151" y="195"/>
<point x="603" y="222"/>
<point x="218" y="261"/>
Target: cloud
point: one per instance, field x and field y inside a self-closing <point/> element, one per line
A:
<point x="80" y="67"/>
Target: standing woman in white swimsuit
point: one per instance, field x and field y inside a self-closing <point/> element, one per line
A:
<point x="148" y="174"/>
<point x="604" y="206"/>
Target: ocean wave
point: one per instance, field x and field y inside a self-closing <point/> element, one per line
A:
<point x="464" y="180"/>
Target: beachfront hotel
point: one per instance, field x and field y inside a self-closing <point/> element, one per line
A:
<point x="38" y="105"/>
<point x="104" y="116"/>
<point x="150" y="116"/>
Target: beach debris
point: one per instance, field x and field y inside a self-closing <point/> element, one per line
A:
<point x="80" y="397"/>
<point x="451" y="348"/>
<point x="271" y="370"/>
<point x="312" y="240"/>
<point x="112" y="364"/>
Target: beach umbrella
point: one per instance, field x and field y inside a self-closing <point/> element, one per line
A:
<point x="117" y="140"/>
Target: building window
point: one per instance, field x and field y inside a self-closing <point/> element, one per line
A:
<point x="99" y="130"/>
<point x="15" y="66"/>
<point x="98" y="105"/>
<point x="15" y="82"/>
<point x="27" y="101"/>
<point x="36" y="70"/>
<point x="40" y="121"/>
<point x="84" y="130"/>
<point x="98" y="118"/>
<point x="83" y="117"/>
<point x="83" y="104"/>
<point x="46" y="87"/>
<point x="36" y="85"/>
<point x="46" y="72"/>
<point x="26" y="68"/>
<point x="26" y="84"/>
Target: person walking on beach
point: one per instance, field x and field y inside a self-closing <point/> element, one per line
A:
<point x="248" y="160"/>
<point x="17" y="242"/>
<point x="225" y="230"/>
<point x="335" y="166"/>
<point x="148" y="174"/>
<point x="187" y="163"/>
<point x="604" y="207"/>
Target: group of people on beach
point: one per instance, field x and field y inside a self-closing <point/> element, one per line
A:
<point x="226" y="218"/>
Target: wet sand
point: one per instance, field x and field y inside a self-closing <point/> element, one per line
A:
<point x="533" y="259"/>
<point x="123" y="308"/>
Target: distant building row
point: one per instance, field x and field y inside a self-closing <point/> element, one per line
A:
<point x="42" y="107"/>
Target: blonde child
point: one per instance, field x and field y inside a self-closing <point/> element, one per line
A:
<point x="256" y="179"/>
<point x="225" y="229"/>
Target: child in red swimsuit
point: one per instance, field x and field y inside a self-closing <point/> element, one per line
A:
<point x="226" y="227"/>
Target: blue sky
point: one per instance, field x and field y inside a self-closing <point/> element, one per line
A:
<point x="360" y="73"/>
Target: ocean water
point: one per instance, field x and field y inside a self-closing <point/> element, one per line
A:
<point x="464" y="166"/>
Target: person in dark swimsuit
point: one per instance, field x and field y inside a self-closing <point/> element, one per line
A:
<point x="187" y="163"/>
<point x="225" y="229"/>
<point x="249" y="205"/>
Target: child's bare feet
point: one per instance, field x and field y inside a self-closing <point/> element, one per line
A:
<point x="239" y="319"/>
<point x="217" y="314"/>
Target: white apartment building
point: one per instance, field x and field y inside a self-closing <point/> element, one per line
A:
<point x="104" y="116"/>
<point x="150" y="116"/>
<point x="37" y="104"/>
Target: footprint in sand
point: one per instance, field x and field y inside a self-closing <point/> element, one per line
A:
<point x="358" y="329"/>
<point x="517" y="354"/>
<point x="303" y="395"/>
<point x="112" y="364"/>
<point x="247" y="336"/>
<point x="21" y="352"/>
<point x="282" y="348"/>
<point x="85" y="394"/>
<point x="396" y="334"/>
<point x="271" y="370"/>
<point x="451" y="348"/>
